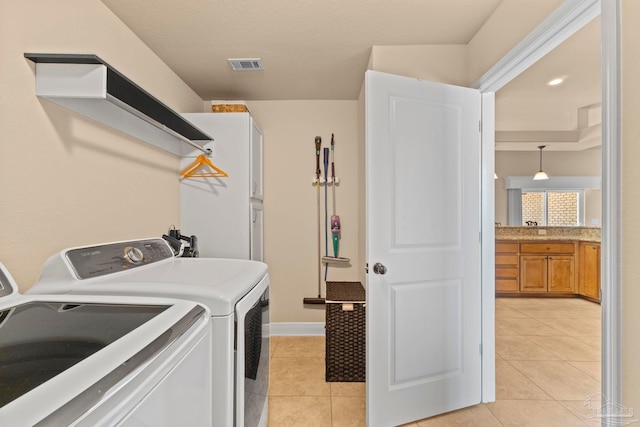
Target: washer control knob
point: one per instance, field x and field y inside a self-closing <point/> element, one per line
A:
<point x="133" y="255"/>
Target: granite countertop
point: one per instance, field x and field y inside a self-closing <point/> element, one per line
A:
<point x="587" y="234"/>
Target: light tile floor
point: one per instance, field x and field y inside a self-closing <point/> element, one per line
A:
<point x="547" y="365"/>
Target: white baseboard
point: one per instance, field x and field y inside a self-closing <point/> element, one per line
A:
<point x="297" y="329"/>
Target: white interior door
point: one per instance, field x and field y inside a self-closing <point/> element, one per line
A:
<point x="423" y="145"/>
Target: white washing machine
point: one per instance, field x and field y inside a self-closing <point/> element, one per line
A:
<point x="236" y="292"/>
<point x="102" y="361"/>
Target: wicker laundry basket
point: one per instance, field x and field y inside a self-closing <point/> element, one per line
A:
<point x="345" y="332"/>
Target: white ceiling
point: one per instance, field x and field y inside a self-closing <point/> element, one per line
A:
<point x="311" y="49"/>
<point x="319" y="49"/>
<point x="531" y="113"/>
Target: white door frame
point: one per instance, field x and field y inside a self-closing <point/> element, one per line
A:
<point x="560" y="25"/>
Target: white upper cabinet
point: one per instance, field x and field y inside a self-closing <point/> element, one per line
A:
<point x="226" y="213"/>
<point x="256" y="161"/>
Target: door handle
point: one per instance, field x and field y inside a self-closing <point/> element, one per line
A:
<point x="379" y="268"/>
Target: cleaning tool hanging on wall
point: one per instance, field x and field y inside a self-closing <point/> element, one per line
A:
<point x="326" y="209"/>
<point x="335" y="219"/>
<point x="319" y="299"/>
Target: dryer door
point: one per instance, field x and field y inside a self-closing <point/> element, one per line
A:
<point x="252" y="356"/>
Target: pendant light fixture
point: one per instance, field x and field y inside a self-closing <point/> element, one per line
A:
<point x="541" y="174"/>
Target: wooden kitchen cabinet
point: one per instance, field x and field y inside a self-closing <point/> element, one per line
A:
<point x="543" y="273"/>
<point x="561" y="274"/>
<point x="548" y="248"/>
<point x="589" y="273"/>
<point x="547" y="267"/>
<point x="533" y="273"/>
<point x="507" y="266"/>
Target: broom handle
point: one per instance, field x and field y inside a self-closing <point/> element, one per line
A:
<point x="319" y="250"/>
<point x="333" y="178"/>
<point x="318" y="144"/>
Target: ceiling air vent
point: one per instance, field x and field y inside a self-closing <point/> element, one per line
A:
<point x="245" y="64"/>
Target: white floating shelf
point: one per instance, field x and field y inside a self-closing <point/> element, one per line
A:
<point x="88" y="86"/>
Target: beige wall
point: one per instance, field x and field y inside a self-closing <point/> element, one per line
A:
<point x="511" y="22"/>
<point x="65" y="180"/>
<point x="291" y="204"/>
<point x="568" y="163"/>
<point x="462" y="65"/>
<point x="630" y="204"/>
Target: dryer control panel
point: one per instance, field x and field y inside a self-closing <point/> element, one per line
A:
<point x="95" y="261"/>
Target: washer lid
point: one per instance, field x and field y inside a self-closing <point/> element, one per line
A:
<point x="62" y="357"/>
<point x="39" y="340"/>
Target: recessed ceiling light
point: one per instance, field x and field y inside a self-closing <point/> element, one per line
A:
<point x="245" y="64"/>
<point x="556" y="81"/>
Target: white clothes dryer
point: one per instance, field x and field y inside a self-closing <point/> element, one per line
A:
<point x="236" y="292"/>
<point x="102" y="361"/>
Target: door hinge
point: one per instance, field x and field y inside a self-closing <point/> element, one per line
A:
<point x="480" y="237"/>
<point x="480" y="348"/>
<point x="479" y="125"/>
